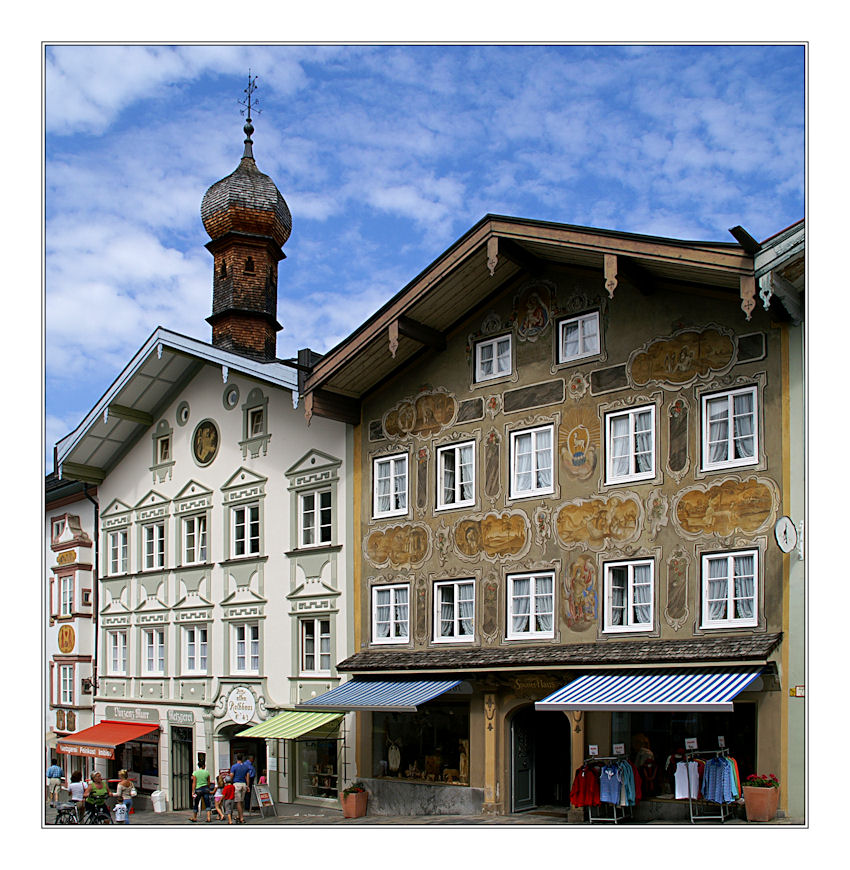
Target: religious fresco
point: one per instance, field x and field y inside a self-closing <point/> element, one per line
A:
<point x="676" y="608"/>
<point x="596" y="523"/>
<point x="580" y="603"/>
<point x="678" y="461"/>
<point x="722" y="508"/>
<point x="493" y="536"/>
<point x="683" y="358"/>
<point x="657" y="512"/>
<point x="578" y="442"/>
<point x="420" y="621"/>
<point x="402" y="546"/>
<point x="492" y="465"/>
<point x="423" y="416"/>
<point x="532" y="312"/>
<point x="422" y="479"/>
<point x="490" y="610"/>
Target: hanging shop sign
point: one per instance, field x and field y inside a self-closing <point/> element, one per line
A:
<point x="241" y="705"/>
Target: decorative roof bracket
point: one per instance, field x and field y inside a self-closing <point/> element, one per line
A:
<point x="492" y="254"/>
<point x="748" y="294"/>
<point x="224" y="374"/>
<point x="610" y="274"/>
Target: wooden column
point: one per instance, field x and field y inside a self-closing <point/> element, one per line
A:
<point x="491" y="780"/>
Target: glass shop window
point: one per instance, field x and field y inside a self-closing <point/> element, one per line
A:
<point x="318" y="768"/>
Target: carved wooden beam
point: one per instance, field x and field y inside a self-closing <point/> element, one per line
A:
<point x="421" y="333"/>
<point x="333" y="406"/>
<point x="773" y="284"/>
<point x="492" y="254"/>
<point x="83" y="473"/>
<point x="610" y="267"/>
<point x="517" y="254"/>
<point x="131" y="414"/>
<point x="748" y="294"/>
<point x="640" y="278"/>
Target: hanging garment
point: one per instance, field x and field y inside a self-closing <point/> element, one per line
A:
<point x="686" y="780"/>
<point x="733" y="778"/>
<point x="609" y="784"/>
<point x="628" y="780"/>
<point x="717" y="781"/>
<point x="650" y="778"/>
<point x="637" y="783"/>
<point x="585" y="790"/>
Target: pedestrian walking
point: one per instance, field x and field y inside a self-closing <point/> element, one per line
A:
<point x="96" y="793"/>
<point x="217" y="797"/>
<point x="201" y="789"/>
<point x="252" y="774"/>
<point x="125" y="791"/>
<point x="76" y="792"/>
<point x="228" y="793"/>
<point x="54" y="782"/>
<point x="241" y="774"/>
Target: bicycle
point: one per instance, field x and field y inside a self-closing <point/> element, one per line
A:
<point x="66" y="814"/>
<point x="97" y="815"/>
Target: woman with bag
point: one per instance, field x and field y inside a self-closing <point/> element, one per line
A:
<point x="201" y="790"/>
<point x="125" y="792"/>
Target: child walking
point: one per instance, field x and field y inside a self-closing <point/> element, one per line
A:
<point x="228" y="794"/>
<point x="217" y="797"/>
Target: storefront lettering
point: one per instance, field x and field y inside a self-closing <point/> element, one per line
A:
<point x="181" y="717"/>
<point x="67" y="557"/>
<point x="132" y="714"/>
<point x="241" y="705"/>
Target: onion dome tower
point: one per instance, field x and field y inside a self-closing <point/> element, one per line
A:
<point x="248" y="222"/>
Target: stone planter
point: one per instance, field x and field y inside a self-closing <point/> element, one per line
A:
<point x="761" y="803"/>
<point x="354" y="805"/>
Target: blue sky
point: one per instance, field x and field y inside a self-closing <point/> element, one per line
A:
<point x="385" y="154"/>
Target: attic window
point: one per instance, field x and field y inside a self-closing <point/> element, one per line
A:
<point x="249" y="264"/>
<point x="223" y="271"/>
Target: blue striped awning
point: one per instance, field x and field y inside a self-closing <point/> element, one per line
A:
<point x="391" y="695"/>
<point x="683" y="690"/>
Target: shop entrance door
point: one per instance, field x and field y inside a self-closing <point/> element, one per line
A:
<point x="540" y="760"/>
<point x="523" y="795"/>
<point x="181" y="768"/>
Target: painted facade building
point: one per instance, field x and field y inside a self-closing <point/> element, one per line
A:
<point x="573" y="452"/>
<point x="222" y="560"/>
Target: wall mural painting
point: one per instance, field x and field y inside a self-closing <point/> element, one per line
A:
<point x="683" y="358"/>
<point x="494" y="536"/>
<point x="542" y="525"/>
<point x="597" y="523"/>
<point x="581" y="600"/>
<point x="402" y="546"/>
<point x="578" y="442"/>
<point x="443" y="541"/>
<point x="657" y="512"/>
<point x="533" y="310"/>
<point x="490" y="610"/>
<point x="577" y="386"/>
<point x="678" y="461"/>
<point x="676" y="609"/>
<point x="492" y="457"/>
<point x="423" y="416"/>
<point x="422" y="479"/>
<point x="421" y="618"/>
<point x="724" y="507"/>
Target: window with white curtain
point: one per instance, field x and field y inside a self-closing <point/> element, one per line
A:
<point x="391" y="614"/>
<point x="389" y="475"/>
<point x="579" y="337"/>
<point x="630" y="444"/>
<point x="729" y="586"/>
<point x="629" y="595"/>
<point x="154" y="545"/>
<point x="195" y="540"/>
<point x="246" y="530"/>
<point x="493" y="358"/>
<point x="154" y="651"/>
<point x="246" y="648"/>
<point x="118" y="552"/>
<point x="195" y="648"/>
<point x="531" y="605"/>
<point x="532" y="456"/>
<point x="117" y="653"/>
<point x="316" y="645"/>
<point x="454" y="610"/>
<point x="456" y="475"/>
<point x="730" y="429"/>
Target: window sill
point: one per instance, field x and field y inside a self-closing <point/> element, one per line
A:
<point x="530" y="636"/>
<point x="442" y="508"/>
<point x="728" y="626"/>
<point x="631" y="629"/>
<point x="238" y="560"/>
<point x="314" y="548"/>
<point x="729" y="466"/>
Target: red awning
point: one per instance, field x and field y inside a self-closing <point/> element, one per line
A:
<point x="100" y="740"/>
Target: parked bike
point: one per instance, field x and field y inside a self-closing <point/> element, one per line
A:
<point x="66" y="814"/>
<point x="97" y="815"/>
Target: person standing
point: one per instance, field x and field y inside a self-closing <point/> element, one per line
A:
<point x="241" y="774"/>
<point x="96" y="793"/>
<point x="227" y="796"/>
<point x="201" y="789"/>
<point x="54" y="782"/>
<point x="252" y="774"/>
<point x="125" y="791"/>
<point x="76" y="792"/>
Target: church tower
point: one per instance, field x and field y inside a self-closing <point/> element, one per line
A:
<point x="248" y="222"/>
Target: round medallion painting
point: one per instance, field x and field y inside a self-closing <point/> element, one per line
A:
<point x="205" y="442"/>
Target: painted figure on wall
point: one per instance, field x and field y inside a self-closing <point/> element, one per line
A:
<point x="746" y="505"/>
<point x="684" y="357"/>
<point x="597" y="522"/>
<point x="494" y="535"/>
<point x="426" y="415"/>
<point x="402" y="546"/>
<point x="578" y="443"/>
<point x="581" y="600"/>
<point x="532" y="311"/>
<point x="676" y="610"/>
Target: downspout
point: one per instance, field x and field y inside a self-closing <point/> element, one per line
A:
<point x="95" y="592"/>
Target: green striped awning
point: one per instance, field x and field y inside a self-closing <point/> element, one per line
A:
<point x="291" y="724"/>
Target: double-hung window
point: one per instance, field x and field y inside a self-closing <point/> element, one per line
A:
<point x="66" y="595"/>
<point x="630" y="444"/>
<point x="66" y="684"/>
<point x="316" y="645"/>
<point x="579" y="337"/>
<point x="531" y="605"/>
<point x="454" y="610"/>
<point x="194" y="540"/>
<point x="246" y="648"/>
<point x="195" y="637"/>
<point x="154" y="545"/>
<point x="118" y="552"/>
<point x="532" y="462"/>
<point x="729" y="582"/>
<point x="154" y="651"/>
<point x="493" y="358"/>
<point x="117" y="653"/>
<point x="391" y="614"/>
<point x="629" y="595"/>
<point x="256" y="422"/>
<point x="315" y="518"/>
<point x="456" y="475"/>
<point x="246" y="530"/>
<point x="730" y="429"/>
<point x="390" y="486"/>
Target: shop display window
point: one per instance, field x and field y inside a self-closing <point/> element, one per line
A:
<point x="431" y="745"/>
<point x="318" y="768"/>
<point x="140" y="758"/>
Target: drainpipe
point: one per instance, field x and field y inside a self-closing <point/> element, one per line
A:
<point x="95" y="591"/>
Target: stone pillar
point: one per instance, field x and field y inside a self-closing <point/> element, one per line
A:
<point x="491" y="781"/>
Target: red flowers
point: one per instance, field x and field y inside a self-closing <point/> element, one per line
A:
<point x="762" y="780"/>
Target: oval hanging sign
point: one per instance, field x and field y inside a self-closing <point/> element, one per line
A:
<point x="66" y="639"/>
<point x="241" y="705"/>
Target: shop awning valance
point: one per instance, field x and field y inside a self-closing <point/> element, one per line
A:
<point x="100" y="740"/>
<point x="291" y="724"/>
<point x="683" y="690"/>
<point x="402" y="696"/>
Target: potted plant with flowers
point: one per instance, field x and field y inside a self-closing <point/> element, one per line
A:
<point x="761" y="797"/>
<point x="354" y="800"/>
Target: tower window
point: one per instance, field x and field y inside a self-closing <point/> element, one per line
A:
<point x="223" y="271"/>
<point x="249" y="264"/>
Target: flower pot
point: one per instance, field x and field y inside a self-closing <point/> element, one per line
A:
<point x="354" y="805"/>
<point x="761" y="803"/>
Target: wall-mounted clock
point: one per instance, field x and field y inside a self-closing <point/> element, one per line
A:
<point x="786" y="534"/>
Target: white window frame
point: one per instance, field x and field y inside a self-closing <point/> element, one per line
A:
<point x="729" y="396"/>
<point x="581" y="321"/>
<point x="457" y="635"/>
<point x="399" y="468"/>
<point x="630" y="604"/>
<point x="534" y="471"/>
<point x="163" y="446"/>
<point x="58" y="527"/>
<point x="196" y="649"/>
<point x="246" y="648"/>
<point x="257" y="421"/>
<point x="536" y="602"/>
<point x="319" y="526"/>
<point x="196" y="529"/>
<point x="730" y="558"/>
<point x="153" y="545"/>
<point x="443" y="454"/>
<point x="66" y="594"/>
<point x="242" y="516"/>
<point x="493" y="344"/>
<point x="631" y="475"/>
<point x="153" y="652"/>
<point x="117" y="653"/>
<point x="118" y="552"/>
<point x="66" y="685"/>
<point x="393" y="622"/>
<point x="314" y="627"/>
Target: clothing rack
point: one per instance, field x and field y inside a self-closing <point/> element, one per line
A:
<point x="615" y="816"/>
<point x="693" y="802"/>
